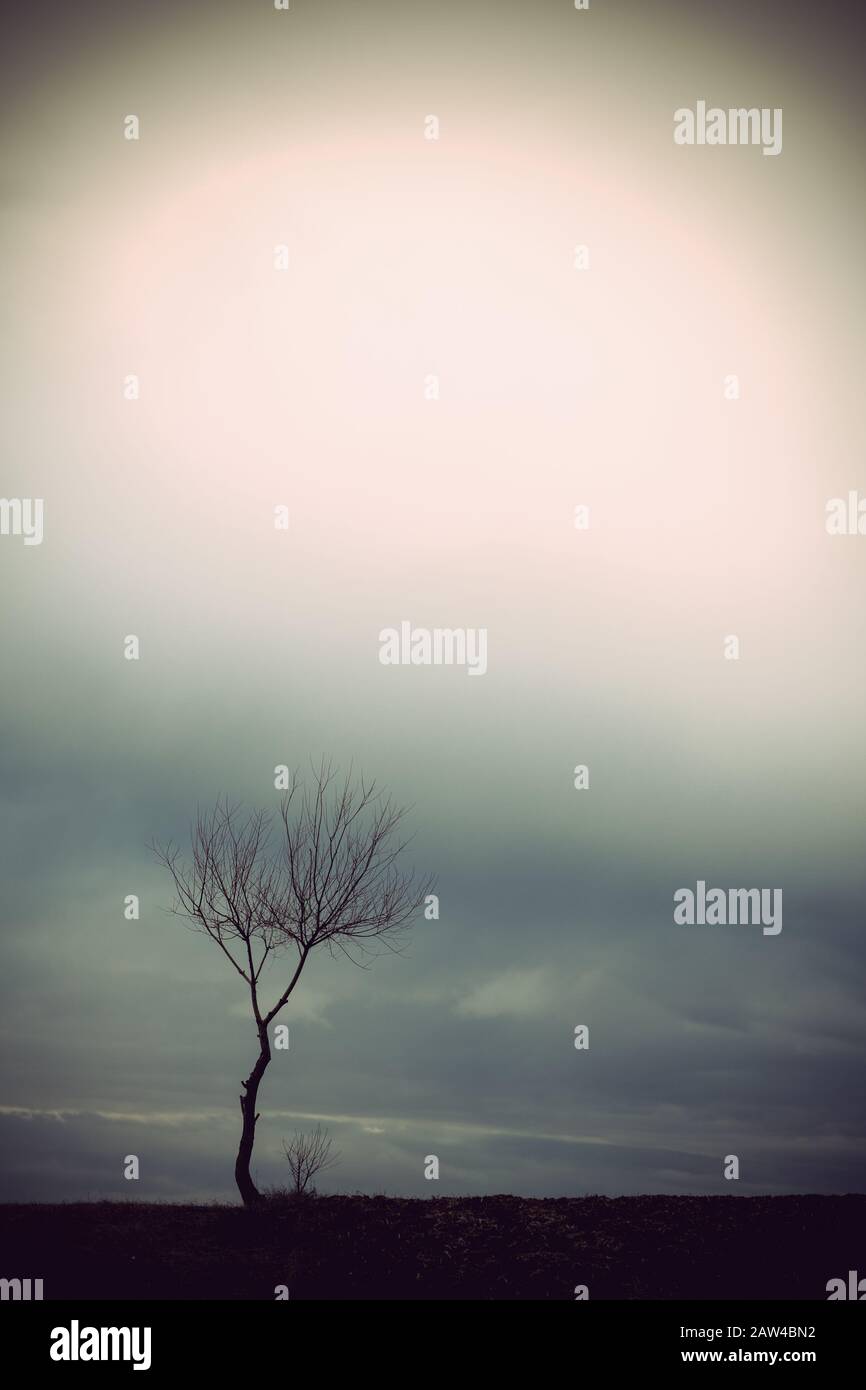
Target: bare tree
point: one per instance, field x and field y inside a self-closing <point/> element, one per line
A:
<point x="330" y="878"/>
<point x="308" y="1154"/>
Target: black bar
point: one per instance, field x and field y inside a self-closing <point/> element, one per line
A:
<point x="254" y="1337"/>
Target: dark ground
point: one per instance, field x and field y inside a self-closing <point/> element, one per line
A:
<point x="445" y="1247"/>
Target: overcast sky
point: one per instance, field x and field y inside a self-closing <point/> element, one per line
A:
<point x="307" y="388"/>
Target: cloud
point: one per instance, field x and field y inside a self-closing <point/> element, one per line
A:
<point x="260" y="647"/>
<point x="512" y="994"/>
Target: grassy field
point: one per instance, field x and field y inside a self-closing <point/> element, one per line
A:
<point x="439" y="1248"/>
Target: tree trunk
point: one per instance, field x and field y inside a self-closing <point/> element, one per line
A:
<point x="248" y="1190"/>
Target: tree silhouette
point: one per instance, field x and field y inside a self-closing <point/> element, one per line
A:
<point x="307" y="1155"/>
<point x="329" y="877"/>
